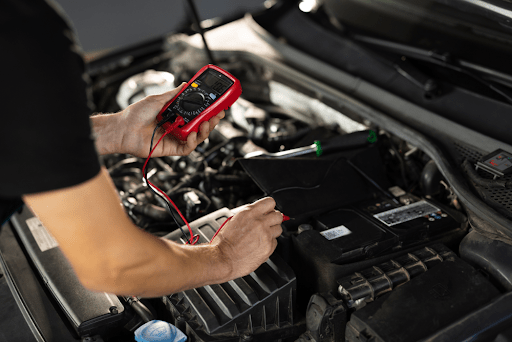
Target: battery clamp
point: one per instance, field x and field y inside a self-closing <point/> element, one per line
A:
<point x="210" y="91"/>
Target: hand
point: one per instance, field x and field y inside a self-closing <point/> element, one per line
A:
<point x="139" y="120"/>
<point x="249" y="238"/>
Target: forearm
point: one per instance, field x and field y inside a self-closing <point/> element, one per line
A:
<point x="153" y="267"/>
<point x="109" y="253"/>
<point x="107" y="132"/>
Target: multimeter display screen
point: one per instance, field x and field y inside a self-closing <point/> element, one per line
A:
<point x="215" y="83"/>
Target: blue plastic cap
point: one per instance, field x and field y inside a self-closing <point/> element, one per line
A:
<point x="159" y="331"/>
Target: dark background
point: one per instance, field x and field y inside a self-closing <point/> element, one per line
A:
<point x="103" y="24"/>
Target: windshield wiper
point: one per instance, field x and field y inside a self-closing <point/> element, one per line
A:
<point x="489" y="79"/>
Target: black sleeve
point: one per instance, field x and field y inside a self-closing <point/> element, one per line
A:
<point x="45" y="133"/>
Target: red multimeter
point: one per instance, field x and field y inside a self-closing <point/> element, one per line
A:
<point x="209" y="92"/>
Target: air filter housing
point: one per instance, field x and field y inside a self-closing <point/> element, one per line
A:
<point x="259" y="306"/>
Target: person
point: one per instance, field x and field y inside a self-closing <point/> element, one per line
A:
<point x="49" y="148"/>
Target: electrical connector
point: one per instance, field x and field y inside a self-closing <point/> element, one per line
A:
<point x="178" y="122"/>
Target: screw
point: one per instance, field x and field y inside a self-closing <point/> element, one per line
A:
<point x="113" y="310"/>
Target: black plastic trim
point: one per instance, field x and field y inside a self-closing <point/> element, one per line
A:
<point x="17" y="297"/>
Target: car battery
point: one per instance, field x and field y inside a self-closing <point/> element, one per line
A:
<point x="412" y="220"/>
<point x="334" y="242"/>
<point x="346" y="235"/>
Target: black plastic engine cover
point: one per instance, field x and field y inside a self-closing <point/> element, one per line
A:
<point x="303" y="187"/>
<point x="423" y="305"/>
<point x="259" y="306"/>
<point x="90" y="313"/>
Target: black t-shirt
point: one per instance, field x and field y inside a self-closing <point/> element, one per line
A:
<point x="45" y="135"/>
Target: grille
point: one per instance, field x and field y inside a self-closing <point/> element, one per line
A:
<point x="467" y="153"/>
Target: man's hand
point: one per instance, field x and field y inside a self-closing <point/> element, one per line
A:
<point x="249" y="238"/>
<point x="130" y="130"/>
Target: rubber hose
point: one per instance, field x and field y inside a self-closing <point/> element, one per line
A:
<point x="141" y="310"/>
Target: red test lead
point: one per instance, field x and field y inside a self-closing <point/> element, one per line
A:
<point x="209" y="92"/>
<point x="159" y="192"/>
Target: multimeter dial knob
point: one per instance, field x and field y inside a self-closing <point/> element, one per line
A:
<point x="192" y="101"/>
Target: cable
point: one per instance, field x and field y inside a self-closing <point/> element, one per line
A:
<point x="325" y="176"/>
<point x="193" y="238"/>
<point x="179" y="121"/>
<point x="217" y="232"/>
<point x="285" y="218"/>
<point x="312" y="187"/>
<point x="145" y="173"/>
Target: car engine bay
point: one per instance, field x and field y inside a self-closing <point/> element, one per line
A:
<point x="363" y="198"/>
<point x="377" y="248"/>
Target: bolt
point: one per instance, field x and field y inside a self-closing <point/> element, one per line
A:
<point x="113" y="310"/>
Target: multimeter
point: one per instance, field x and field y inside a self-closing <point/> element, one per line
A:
<point x="210" y="91"/>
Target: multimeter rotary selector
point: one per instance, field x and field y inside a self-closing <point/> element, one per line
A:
<point x="209" y="92"/>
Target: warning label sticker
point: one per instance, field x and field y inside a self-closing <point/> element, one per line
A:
<point x="406" y="213"/>
<point x="43" y="238"/>
<point x="336" y="232"/>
